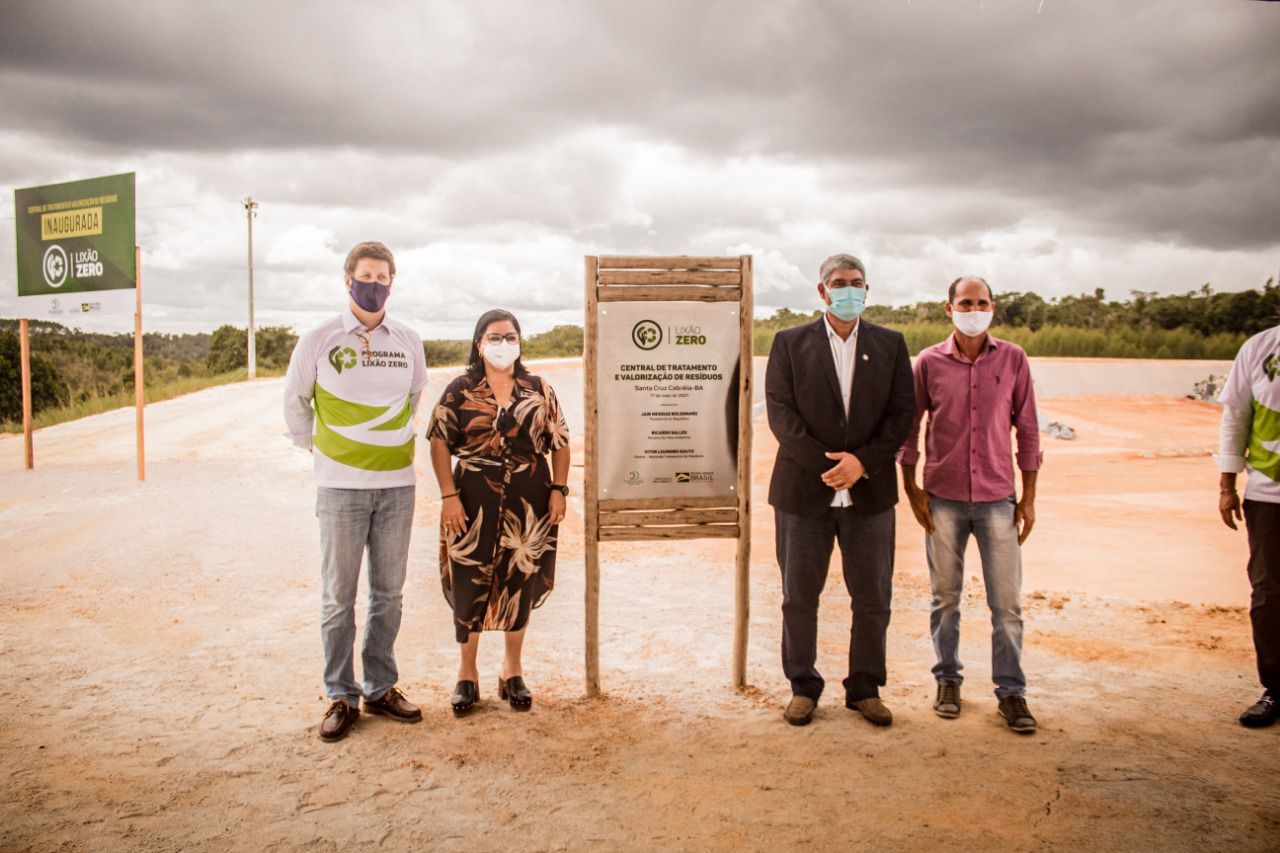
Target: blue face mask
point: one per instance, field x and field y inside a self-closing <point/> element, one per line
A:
<point x="846" y="302"/>
<point x="369" y="295"/>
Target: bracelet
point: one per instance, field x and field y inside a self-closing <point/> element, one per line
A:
<point x="1227" y="492"/>
<point x="450" y="495"/>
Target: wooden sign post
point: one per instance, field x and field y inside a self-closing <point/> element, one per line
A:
<point x="139" y="388"/>
<point x="664" y="505"/>
<point x="24" y="350"/>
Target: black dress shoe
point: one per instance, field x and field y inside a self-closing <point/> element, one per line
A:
<point x="1262" y="713"/>
<point x="514" y="691"/>
<point x="338" y="720"/>
<point x="465" y="696"/>
<point x="394" y="705"/>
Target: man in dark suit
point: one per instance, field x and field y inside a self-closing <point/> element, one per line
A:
<point x="840" y="401"/>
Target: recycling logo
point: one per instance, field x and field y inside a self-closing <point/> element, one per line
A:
<point x="646" y="334"/>
<point x="342" y="358"/>
<point x="55" y="266"/>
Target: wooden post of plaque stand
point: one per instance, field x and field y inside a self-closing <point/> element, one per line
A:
<point x="667" y="279"/>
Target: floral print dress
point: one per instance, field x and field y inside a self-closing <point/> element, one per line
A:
<point x="504" y="564"/>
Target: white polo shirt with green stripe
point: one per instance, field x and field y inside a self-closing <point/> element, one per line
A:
<point x="1250" y="434"/>
<point x="350" y="396"/>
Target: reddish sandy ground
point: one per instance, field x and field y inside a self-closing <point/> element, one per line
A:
<point x="160" y="646"/>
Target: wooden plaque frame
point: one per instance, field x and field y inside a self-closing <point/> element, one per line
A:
<point x="667" y="279"/>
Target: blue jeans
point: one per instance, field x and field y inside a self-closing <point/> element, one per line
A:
<point x="352" y="520"/>
<point x="991" y="524"/>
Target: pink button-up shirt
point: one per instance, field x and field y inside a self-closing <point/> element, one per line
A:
<point x="972" y="407"/>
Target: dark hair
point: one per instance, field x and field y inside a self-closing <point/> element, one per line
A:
<point x="951" y="291"/>
<point x="475" y="364"/>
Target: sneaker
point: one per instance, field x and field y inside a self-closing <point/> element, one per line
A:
<point x="1262" y="713"/>
<point x="947" y="705"/>
<point x="799" y="710"/>
<point x="1015" y="713"/>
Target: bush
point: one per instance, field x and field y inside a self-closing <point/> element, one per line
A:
<point x="48" y="389"/>
<point x="442" y="353"/>
<point x="560" y="341"/>
<point x="229" y="348"/>
<point x="274" y="345"/>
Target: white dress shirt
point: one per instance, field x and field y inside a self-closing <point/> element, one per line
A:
<point x="844" y="352"/>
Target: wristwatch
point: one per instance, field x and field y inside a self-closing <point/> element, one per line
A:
<point x="562" y="489"/>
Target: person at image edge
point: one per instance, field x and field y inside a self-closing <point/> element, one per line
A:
<point x="1249" y="440"/>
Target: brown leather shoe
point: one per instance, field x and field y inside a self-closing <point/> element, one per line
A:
<point x="873" y="709"/>
<point x="338" y="720"/>
<point x="799" y="711"/>
<point x="394" y="705"/>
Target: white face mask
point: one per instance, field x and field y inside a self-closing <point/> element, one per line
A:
<point x="501" y="356"/>
<point x="972" y="323"/>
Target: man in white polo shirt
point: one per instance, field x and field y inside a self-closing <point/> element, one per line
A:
<point x="350" y="396"/>
<point x="1250" y="441"/>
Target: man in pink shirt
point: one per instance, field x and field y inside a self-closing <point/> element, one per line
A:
<point x="975" y="389"/>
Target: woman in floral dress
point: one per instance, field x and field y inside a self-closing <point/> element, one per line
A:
<point x="501" y="503"/>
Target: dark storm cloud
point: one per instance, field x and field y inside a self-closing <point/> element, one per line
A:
<point x="1156" y="120"/>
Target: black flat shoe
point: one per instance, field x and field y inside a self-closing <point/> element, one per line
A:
<point x="465" y="696"/>
<point x="514" y="691"/>
<point x="1262" y="713"/>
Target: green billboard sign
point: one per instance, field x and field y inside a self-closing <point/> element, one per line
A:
<point x="75" y="247"/>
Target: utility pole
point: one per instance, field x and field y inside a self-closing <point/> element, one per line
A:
<point x="250" y="211"/>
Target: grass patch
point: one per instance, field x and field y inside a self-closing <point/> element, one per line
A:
<point x="1068" y="341"/>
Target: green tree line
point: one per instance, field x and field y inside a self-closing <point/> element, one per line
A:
<point x="80" y="372"/>
<point x="75" y="373"/>
<point x="561" y="341"/>
<point x="1197" y="324"/>
<point x="1202" y="311"/>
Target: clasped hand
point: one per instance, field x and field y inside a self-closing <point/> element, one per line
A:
<point x="847" y="471"/>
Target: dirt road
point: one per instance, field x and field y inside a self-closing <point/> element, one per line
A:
<point x="160" y="645"/>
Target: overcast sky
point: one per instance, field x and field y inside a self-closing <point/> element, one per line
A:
<point x="1054" y="146"/>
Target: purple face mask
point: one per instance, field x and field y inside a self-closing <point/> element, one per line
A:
<point x="370" y="295"/>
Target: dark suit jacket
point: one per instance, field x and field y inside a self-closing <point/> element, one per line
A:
<point x="802" y="394"/>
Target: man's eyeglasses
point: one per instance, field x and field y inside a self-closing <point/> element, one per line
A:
<point x="839" y="283"/>
<point x="510" y="337"/>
